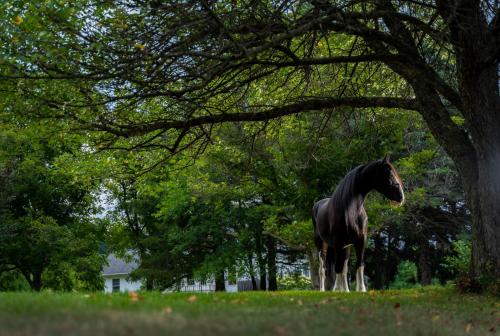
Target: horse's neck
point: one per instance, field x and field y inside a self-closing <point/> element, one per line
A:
<point x="357" y="200"/>
<point x="365" y="181"/>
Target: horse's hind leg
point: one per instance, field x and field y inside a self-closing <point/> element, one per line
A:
<point x="360" y="265"/>
<point x="322" y="259"/>
<point x="341" y="266"/>
<point x="345" y="268"/>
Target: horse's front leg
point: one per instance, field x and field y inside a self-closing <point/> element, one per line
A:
<point x="360" y="265"/>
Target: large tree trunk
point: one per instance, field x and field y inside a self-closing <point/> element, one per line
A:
<point x="475" y="147"/>
<point x="483" y="198"/>
<point x="478" y="163"/>
<point x="481" y="179"/>
<point x="479" y="88"/>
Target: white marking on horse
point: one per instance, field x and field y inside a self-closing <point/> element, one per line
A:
<point x="360" y="281"/>
<point x="338" y="287"/>
<point x="396" y="177"/>
<point x="322" y="275"/>
<point x="344" y="276"/>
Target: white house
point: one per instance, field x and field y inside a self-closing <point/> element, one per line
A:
<point x="116" y="275"/>
<point x="117" y="272"/>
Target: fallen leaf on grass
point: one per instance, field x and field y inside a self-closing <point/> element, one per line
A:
<point x="344" y="309"/>
<point x="134" y="297"/>
<point x="280" y="331"/>
<point x="397" y="305"/>
<point x="192" y="298"/>
<point x="167" y="310"/>
<point x="436" y="317"/>
<point x="468" y="327"/>
<point x="299" y="302"/>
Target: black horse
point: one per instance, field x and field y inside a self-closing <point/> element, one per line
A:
<point x="341" y="221"/>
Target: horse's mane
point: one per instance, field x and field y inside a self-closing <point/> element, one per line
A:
<point x="347" y="189"/>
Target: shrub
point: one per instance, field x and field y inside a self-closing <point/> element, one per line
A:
<point x="294" y="282"/>
<point x="459" y="262"/>
<point x="406" y="276"/>
<point x="13" y="281"/>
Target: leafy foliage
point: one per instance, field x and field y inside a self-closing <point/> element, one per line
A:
<point x="406" y="276"/>
<point x="46" y="231"/>
<point x="459" y="262"/>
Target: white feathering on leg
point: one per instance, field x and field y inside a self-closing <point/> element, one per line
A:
<point x="344" y="276"/>
<point x="338" y="283"/>
<point x="322" y="275"/>
<point x="360" y="281"/>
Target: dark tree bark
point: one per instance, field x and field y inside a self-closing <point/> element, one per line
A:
<point x="251" y="270"/>
<point x="34" y="279"/>
<point x="149" y="284"/>
<point x="312" y="257"/>
<point x="262" y="275"/>
<point x="36" y="285"/>
<point x="378" y="274"/>
<point x="220" y="285"/>
<point x="254" y="282"/>
<point x="261" y="261"/>
<point x="424" y="263"/>
<point x="271" y="263"/>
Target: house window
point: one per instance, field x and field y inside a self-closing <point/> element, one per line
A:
<point x="116" y="285"/>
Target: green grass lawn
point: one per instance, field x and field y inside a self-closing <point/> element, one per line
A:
<point x="428" y="311"/>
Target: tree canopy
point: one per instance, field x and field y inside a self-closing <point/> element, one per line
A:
<point x="157" y="78"/>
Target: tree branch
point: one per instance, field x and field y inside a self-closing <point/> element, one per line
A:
<point x="291" y="246"/>
<point x="310" y="104"/>
<point x="328" y="60"/>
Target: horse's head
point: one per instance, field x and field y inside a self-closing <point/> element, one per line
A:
<point x="387" y="181"/>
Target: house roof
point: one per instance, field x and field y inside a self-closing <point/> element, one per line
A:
<point x="119" y="266"/>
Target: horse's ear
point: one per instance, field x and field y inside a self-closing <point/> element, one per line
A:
<point x="386" y="158"/>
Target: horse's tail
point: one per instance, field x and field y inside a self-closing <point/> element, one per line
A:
<point x="330" y="261"/>
<point x="317" y="240"/>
